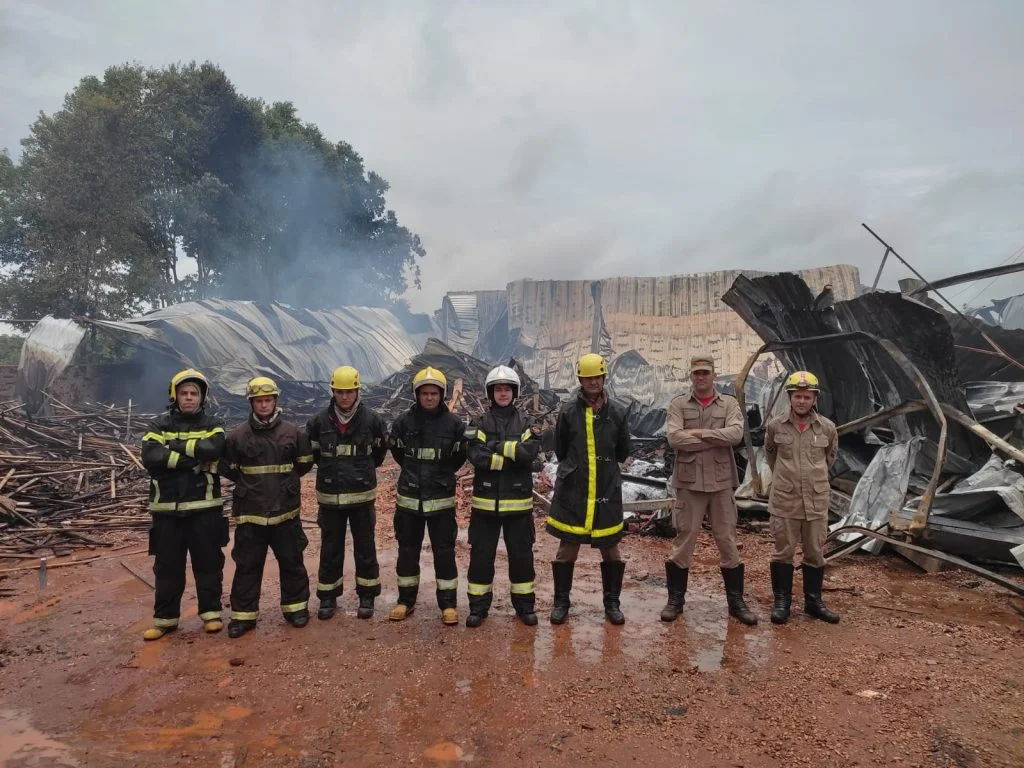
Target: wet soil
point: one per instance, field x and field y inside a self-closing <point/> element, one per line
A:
<point x="923" y="670"/>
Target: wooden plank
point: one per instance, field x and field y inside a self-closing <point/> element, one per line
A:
<point x="647" y="505"/>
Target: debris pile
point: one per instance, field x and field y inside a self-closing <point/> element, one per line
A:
<point x="466" y="375"/>
<point x="913" y="463"/>
<point x="71" y="480"/>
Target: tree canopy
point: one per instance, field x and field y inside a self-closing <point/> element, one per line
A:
<point x="154" y="186"/>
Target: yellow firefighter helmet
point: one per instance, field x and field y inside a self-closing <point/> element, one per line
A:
<point x="802" y="380"/>
<point x="429" y="376"/>
<point x="189" y="374"/>
<point x="591" y="365"/>
<point x="345" y="377"/>
<point x="261" y="386"/>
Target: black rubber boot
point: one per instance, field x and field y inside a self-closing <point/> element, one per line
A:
<point x="239" y="628"/>
<point x="298" y="619"/>
<point x="611" y="580"/>
<point x="525" y="609"/>
<point x="365" y="610"/>
<point x="328" y="606"/>
<point x="676" y="578"/>
<point x="813" y="606"/>
<point x="479" y="606"/>
<point x="782" y="588"/>
<point x="562" y="575"/>
<point x="733" y="578"/>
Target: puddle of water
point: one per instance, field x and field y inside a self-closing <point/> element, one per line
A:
<point x="23" y="745"/>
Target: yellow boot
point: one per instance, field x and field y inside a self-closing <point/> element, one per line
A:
<point x="155" y="633"/>
<point x="450" y="616"/>
<point x="213" y="625"/>
<point x="400" y="612"/>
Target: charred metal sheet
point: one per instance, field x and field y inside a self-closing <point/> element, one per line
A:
<point x="995" y="578"/>
<point x="859" y="378"/>
<point x="969" y="277"/>
<point x="982" y="517"/>
<point x="908" y="369"/>
<point x="882" y="490"/>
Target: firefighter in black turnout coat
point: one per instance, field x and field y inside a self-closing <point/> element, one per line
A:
<point x="180" y="451"/>
<point x="428" y="442"/>
<point x="591" y="439"/>
<point x="349" y="442"/>
<point x="266" y="456"/>
<point x="502" y="445"/>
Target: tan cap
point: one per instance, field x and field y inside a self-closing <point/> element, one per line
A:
<point x="702" y="363"/>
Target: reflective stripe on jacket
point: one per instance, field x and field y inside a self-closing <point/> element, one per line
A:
<point x="430" y="449"/>
<point x="347" y="463"/>
<point x="181" y="452"/>
<point x="266" y="461"/>
<point x="587" y="502"/>
<point x="502" y="445"/>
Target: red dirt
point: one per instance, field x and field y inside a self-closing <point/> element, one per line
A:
<point x="80" y="687"/>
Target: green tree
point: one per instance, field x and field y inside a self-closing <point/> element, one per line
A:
<point x="145" y="168"/>
<point x="10" y="349"/>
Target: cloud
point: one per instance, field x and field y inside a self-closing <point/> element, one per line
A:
<point x="585" y="139"/>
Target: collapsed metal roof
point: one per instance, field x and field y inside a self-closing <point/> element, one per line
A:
<point x="231" y="341"/>
<point x="859" y="377"/>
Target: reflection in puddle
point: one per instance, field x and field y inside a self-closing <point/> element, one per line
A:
<point x="704" y="637"/>
<point x="21" y="744"/>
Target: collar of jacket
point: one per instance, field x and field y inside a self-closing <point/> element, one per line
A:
<point x="715" y="395"/>
<point x="421" y="415"/>
<point x="340" y="418"/>
<point x="174" y="410"/>
<point x="811" y="419"/>
<point x="273" y="421"/>
<point x="503" y="412"/>
<point x="581" y="399"/>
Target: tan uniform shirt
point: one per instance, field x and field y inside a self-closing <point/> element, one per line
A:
<point x="800" y="462"/>
<point x="705" y="464"/>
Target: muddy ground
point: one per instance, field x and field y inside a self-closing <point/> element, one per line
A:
<point x="923" y="670"/>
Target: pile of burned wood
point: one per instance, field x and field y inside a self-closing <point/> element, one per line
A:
<point x="466" y="391"/>
<point x="70" y="480"/>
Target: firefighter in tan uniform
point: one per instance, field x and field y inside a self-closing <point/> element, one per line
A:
<point x="703" y="426"/>
<point x="801" y="447"/>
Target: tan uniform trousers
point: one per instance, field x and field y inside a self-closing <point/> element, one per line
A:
<point x="809" y="534"/>
<point x="687" y="516"/>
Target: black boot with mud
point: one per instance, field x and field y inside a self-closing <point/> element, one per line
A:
<point x="525" y="609"/>
<point x="813" y="606"/>
<point x="298" y="619"/>
<point x="733" y="578"/>
<point x="237" y="628"/>
<point x="676" y="578"/>
<point x="611" y="581"/>
<point x="365" y="610"/>
<point x="562" y="575"/>
<point x="479" y="605"/>
<point x="328" y="606"/>
<point x="782" y="589"/>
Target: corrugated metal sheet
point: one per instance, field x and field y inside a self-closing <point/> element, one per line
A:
<point x="231" y="341"/>
<point x="466" y="316"/>
<point x="235" y="338"/>
<point x="665" y="319"/>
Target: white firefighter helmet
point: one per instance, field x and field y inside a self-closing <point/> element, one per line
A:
<point x="502" y="375"/>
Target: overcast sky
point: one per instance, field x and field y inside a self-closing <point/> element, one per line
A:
<point x="592" y="139"/>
